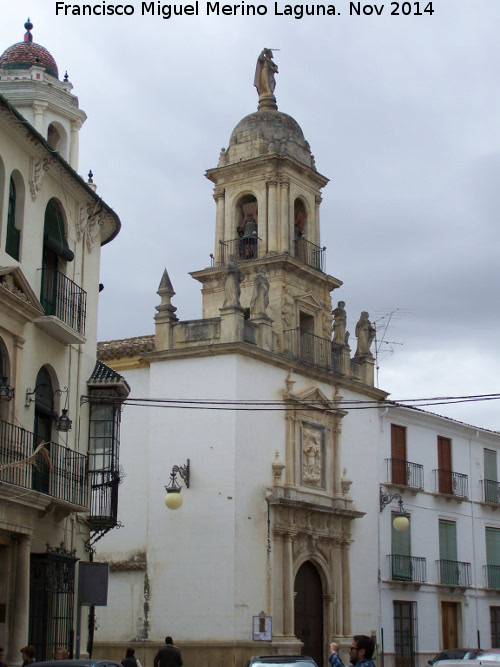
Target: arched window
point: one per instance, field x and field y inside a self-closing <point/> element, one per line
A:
<point x="299" y="219"/>
<point x="57" y="138"/>
<point x="13" y="241"/>
<point x="247" y="219"/>
<point x="44" y="413"/>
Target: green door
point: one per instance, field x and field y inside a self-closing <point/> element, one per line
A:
<point x="490" y="476"/>
<point x="448" y="552"/>
<point x="493" y="557"/>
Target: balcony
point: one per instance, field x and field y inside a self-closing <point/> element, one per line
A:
<point x="309" y="253"/>
<point x="244" y="249"/>
<point x="492" y="574"/>
<point x="408" y="568"/>
<point x="451" y="483"/>
<point x="491" y="491"/>
<point x="453" y="573"/>
<point x="405" y="473"/>
<point x="66" y="480"/>
<point x="310" y="349"/>
<point x="64" y="304"/>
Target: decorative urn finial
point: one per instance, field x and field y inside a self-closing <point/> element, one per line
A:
<point x="28" y="37"/>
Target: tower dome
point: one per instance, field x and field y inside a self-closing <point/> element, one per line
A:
<point x="26" y="54"/>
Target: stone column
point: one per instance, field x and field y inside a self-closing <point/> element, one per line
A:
<point x="74" y="146"/>
<point x="220" y="200"/>
<point x="286" y="224"/>
<point x="328" y="615"/>
<point x="346" y="589"/>
<point x="20" y="617"/>
<point x="315" y="236"/>
<point x="272" y="217"/>
<point x="337" y="585"/>
<point x="39" y="111"/>
<point x="288" y="601"/>
<point x="336" y="431"/>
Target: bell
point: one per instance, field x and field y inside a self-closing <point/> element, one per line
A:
<point x="250" y="230"/>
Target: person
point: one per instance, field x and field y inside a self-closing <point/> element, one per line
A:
<point x="60" y="653"/>
<point x="130" y="660"/>
<point x="169" y="655"/>
<point x="260" y="296"/>
<point x="28" y="653"/>
<point x="360" y="653"/>
<point x="2" y="658"/>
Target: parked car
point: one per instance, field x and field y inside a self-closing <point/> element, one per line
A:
<point x="85" y="662"/>
<point x="455" y="654"/>
<point x="489" y="654"/>
<point x="279" y="661"/>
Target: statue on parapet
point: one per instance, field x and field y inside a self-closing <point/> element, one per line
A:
<point x="260" y="296"/>
<point x="264" y="80"/>
<point x="232" y="276"/>
<point x="339" y="323"/>
<point x="365" y="333"/>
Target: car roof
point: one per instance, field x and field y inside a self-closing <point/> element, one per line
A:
<point x="88" y="662"/>
<point x="280" y="658"/>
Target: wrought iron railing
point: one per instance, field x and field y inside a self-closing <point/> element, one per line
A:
<point x="66" y="478"/>
<point x="453" y="572"/>
<point x="104" y="499"/>
<point x="310" y="253"/>
<point x="405" y="473"/>
<point x="408" y="568"/>
<point x="63" y="298"/>
<point x="452" y="483"/>
<point x="492" y="573"/>
<point x="491" y="491"/>
<point x="308" y="348"/>
<point x="243" y="249"/>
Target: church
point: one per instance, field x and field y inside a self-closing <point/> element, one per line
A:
<point x="245" y="410"/>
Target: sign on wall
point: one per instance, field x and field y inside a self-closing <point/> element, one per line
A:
<point x="262" y="628"/>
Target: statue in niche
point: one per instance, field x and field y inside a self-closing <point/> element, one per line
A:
<point x="232" y="276"/>
<point x="260" y="296"/>
<point x="264" y="79"/>
<point x="311" y="456"/>
<point x="365" y="333"/>
<point x="339" y="323"/>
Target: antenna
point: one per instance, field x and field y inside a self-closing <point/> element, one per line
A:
<point x="391" y="314"/>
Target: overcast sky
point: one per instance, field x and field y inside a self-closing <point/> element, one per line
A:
<point x="403" y="116"/>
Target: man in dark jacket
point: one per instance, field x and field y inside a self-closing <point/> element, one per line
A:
<point x="169" y="655"/>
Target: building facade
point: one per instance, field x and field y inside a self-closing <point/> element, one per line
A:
<point x="253" y="399"/>
<point x="440" y="579"/>
<point x="52" y="227"/>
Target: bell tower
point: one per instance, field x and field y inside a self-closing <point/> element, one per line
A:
<point x="268" y="195"/>
<point x="29" y="79"/>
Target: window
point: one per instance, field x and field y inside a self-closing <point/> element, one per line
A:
<point x="495" y="626"/>
<point x="400" y="550"/>
<point x="448" y="552"/>
<point x="490" y="477"/>
<point x="398" y="454"/>
<point x="13" y="241"/>
<point x="444" y="465"/>
<point x="493" y="557"/>
<point x="405" y="633"/>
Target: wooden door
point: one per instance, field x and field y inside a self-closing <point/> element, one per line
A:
<point x="444" y="465"/>
<point x="398" y="454"/>
<point x="449" y="620"/>
<point x="308" y="621"/>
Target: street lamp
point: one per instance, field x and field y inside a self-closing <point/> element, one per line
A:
<point x="400" y="522"/>
<point x="173" y="498"/>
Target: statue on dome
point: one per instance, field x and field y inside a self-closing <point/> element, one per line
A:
<point x="264" y="79"/>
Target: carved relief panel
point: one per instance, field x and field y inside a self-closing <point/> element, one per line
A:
<point x="312" y="452"/>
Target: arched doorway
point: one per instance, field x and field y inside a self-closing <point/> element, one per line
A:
<point x="308" y="621"/>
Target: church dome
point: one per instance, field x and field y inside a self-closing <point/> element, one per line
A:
<point x="267" y="131"/>
<point x="24" y="55"/>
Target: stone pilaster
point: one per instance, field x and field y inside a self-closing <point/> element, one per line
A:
<point x="39" y="109"/>
<point x="220" y="200"/>
<point x="20" y="619"/>
<point x="284" y="217"/>
<point x="288" y="602"/>
<point x="346" y="589"/>
<point x="74" y="146"/>
<point x="272" y="217"/>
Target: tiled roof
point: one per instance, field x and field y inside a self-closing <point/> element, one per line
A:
<point x="104" y="376"/>
<point x="125" y="347"/>
<point x="24" y="55"/>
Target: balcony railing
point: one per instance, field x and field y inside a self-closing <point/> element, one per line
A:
<point x="244" y="249"/>
<point x="67" y="477"/>
<point x="405" y="473"/>
<point x="63" y="298"/>
<point x="492" y="573"/>
<point x="309" y="253"/>
<point x="453" y="572"/>
<point x="310" y="349"/>
<point x="408" y="568"/>
<point x="491" y="491"/>
<point x="451" y="483"/>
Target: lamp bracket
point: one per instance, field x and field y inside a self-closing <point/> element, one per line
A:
<point x="386" y="498"/>
<point x="183" y="471"/>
